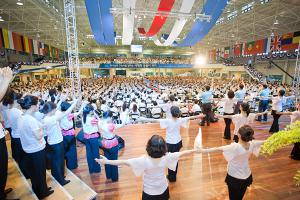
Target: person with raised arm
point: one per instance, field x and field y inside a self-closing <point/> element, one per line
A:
<point x="55" y="138"/>
<point x="239" y="175"/>
<point x="173" y="137"/>
<point x="244" y="118"/>
<point x="152" y="166"/>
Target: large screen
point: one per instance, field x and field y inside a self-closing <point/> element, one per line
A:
<point x="136" y="48"/>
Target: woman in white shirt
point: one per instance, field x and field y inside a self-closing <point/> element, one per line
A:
<point x="68" y="132"/>
<point x="13" y="114"/>
<point x="239" y="175"/>
<point x="55" y="139"/>
<point x="277" y="104"/>
<point x="109" y="144"/>
<point x="33" y="144"/>
<point x="91" y="135"/>
<point x="229" y="105"/>
<point x="173" y="137"/>
<point x="152" y="166"/>
<point x="244" y="118"/>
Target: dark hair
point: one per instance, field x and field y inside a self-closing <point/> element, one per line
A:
<point x="86" y="110"/>
<point x="241" y="86"/>
<point x="65" y="106"/>
<point x="246" y="133"/>
<point x="154" y="103"/>
<point x="265" y="86"/>
<point x="246" y="108"/>
<point x="107" y="114"/>
<point x="172" y="97"/>
<point x="28" y="101"/>
<point x="207" y="88"/>
<point x="156" y="147"/>
<point x="175" y="111"/>
<point x="48" y="107"/>
<point x="230" y="94"/>
<point x="134" y="108"/>
<point x="281" y="93"/>
<point x="124" y="107"/>
<point x="10" y="97"/>
<point x="196" y="101"/>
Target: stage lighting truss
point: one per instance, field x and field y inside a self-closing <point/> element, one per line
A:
<point x="296" y="81"/>
<point x="146" y="13"/>
<point x="72" y="47"/>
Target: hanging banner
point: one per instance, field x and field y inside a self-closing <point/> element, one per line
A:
<point x="128" y="22"/>
<point x="214" y="8"/>
<point x="158" y="21"/>
<point x="101" y="21"/>
<point x="186" y="7"/>
<point x="144" y="65"/>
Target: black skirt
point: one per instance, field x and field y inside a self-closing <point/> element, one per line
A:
<point x="231" y="181"/>
<point x="163" y="196"/>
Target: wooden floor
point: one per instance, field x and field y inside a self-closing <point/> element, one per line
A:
<point x="273" y="176"/>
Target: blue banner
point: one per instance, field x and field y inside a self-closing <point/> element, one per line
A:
<point x="144" y="65"/>
<point x="101" y="21"/>
<point x="201" y="28"/>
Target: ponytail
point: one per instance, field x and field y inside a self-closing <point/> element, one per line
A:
<point x="246" y="108"/>
<point x="86" y="110"/>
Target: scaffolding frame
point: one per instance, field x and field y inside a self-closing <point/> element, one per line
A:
<point x="296" y="80"/>
<point x="72" y="47"/>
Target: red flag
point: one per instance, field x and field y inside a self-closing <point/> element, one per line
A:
<point x="259" y="46"/>
<point x="237" y="49"/>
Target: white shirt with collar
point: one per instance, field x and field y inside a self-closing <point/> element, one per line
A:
<point x="14" y="115"/>
<point x="52" y="129"/>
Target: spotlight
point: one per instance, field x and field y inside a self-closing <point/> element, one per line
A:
<point x="200" y="60"/>
<point x="19" y="3"/>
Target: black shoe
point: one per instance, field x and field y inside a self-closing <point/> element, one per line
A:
<point x="8" y="190"/>
<point x="46" y="194"/>
<point x="66" y="182"/>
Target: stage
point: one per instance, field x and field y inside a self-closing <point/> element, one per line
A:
<point x="200" y="176"/>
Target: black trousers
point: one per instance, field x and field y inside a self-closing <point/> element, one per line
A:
<point x="19" y="155"/>
<point x="227" y="133"/>
<point x="3" y="167"/>
<point x="173" y="148"/>
<point x="36" y="163"/>
<point x="275" y="125"/>
<point x="112" y="171"/>
<point x="163" y="196"/>
<point x="207" y="111"/>
<point x="237" y="187"/>
<point x="295" y="154"/>
<point x="58" y="162"/>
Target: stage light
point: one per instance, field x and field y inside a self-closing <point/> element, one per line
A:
<point x="1" y="19"/>
<point x="19" y="3"/>
<point x="200" y="60"/>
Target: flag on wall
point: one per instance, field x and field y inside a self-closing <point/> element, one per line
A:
<point x="296" y="38"/>
<point x="26" y="44"/>
<point x="249" y="48"/>
<point x="35" y="47"/>
<point x="275" y="44"/>
<point x="1" y="39"/>
<point x="237" y="50"/>
<point x="226" y="52"/>
<point x="287" y="42"/>
<point x="46" y="50"/>
<point x="11" y="40"/>
<point x="259" y="46"/>
<point x="17" y="42"/>
<point x="5" y="38"/>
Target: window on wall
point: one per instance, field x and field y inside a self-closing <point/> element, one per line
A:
<point x="247" y="7"/>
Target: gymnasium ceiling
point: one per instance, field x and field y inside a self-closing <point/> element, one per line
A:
<point x="45" y="23"/>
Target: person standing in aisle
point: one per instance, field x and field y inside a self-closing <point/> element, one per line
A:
<point x="240" y="96"/>
<point x="277" y="106"/>
<point x="264" y="102"/>
<point x="55" y="138"/>
<point x="33" y="144"/>
<point x="173" y="137"/>
<point x="239" y="176"/>
<point x="229" y="105"/>
<point x="206" y="99"/>
<point x="5" y="78"/>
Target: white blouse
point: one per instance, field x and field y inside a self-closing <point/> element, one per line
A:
<point x="30" y="143"/>
<point x="52" y="129"/>
<point x="240" y="120"/>
<point x="89" y="127"/>
<point x="14" y="115"/>
<point x="153" y="171"/>
<point x="173" y="128"/>
<point x="2" y="131"/>
<point x="229" y="105"/>
<point x="238" y="158"/>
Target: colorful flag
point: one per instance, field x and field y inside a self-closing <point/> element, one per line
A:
<point x="296" y="38"/>
<point x="268" y="45"/>
<point x="11" y="40"/>
<point x="226" y="52"/>
<point x="26" y="44"/>
<point x="17" y="42"/>
<point x="30" y="43"/>
<point x="287" y="42"/>
<point x="1" y="39"/>
<point x="237" y="50"/>
<point x="46" y="50"/>
<point x="35" y="47"/>
<point x="5" y="38"/>
<point x="275" y="44"/>
<point x="259" y="46"/>
<point x="249" y="48"/>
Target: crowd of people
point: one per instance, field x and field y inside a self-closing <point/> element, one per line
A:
<point x="110" y="103"/>
<point x="135" y="60"/>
